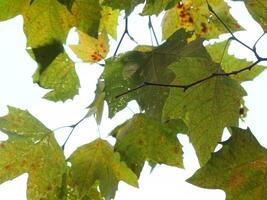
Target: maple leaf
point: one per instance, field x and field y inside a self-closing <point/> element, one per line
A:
<point x="231" y="63"/>
<point x="142" y="65"/>
<point x="97" y="161"/>
<point x="239" y="168"/>
<point x="91" y="49"/>
<point x="55" y="71"/>
<point x="47" y="21"/>
<point x="258" y="10"/>
<point x="206" y="108"/>
<point x="31" y="148"/>
<point x="195" y="16"/>
<point x="141" y="138"/>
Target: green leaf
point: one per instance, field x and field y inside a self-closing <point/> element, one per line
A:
<point x="239" y="168"/>
<point x="97" y="161"/>
<point x="55" y="71"/>
<point x="231" y="63"/>
<point x="143" y="139"/>
<point x="127" y="5"/>
<point x="109" y="21"/>
<point x="12" y="8"/>
<point x="157" y="6"/>
<point x="97" y="106"/>
<point x="31" y="148"/>
<point x="46" y="21"/>
<point x="91" y="49"/>
<point x="87" y="14"/>
<point x="195" y="16"/>
<point x="258" y="10"/>
<point x="206" y="108"/>
<point x="135" y="67"/>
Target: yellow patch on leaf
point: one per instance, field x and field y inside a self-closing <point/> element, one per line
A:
<point x="90" y="49"/>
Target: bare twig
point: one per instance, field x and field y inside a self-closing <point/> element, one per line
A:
<point x="150" y="26"/>
<point x="126" y="32"/>
<point x="72" y="130"/>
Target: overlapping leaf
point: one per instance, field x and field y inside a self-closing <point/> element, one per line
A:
<point x="96" y="161"/>
<point x="194" y="15"/>
<point x="206" y="108"/>
<point x="127" y="5"/>
<point x="154" y="7"/>
<point x="258" y="10"/>
<point x="230" y="63"/>
<point x="133" y="68"/>
<point x="47" y="21"/>
<point x="55" y="71"/>
<point x="239" y="168"/>
<point x="143" y="139"/>
<point x="91" y="49"/>
<point x="151" y="7"/>
<point x="97" y="106"/>
<point x="31" y="148"/>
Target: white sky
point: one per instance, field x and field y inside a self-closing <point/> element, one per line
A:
<point x="16" y="89"/>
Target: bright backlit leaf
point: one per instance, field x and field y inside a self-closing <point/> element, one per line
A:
<point x="91" y="49"/>
<point x="230" y="63"/>
<point x="109" y="21"/>
<point x="195" y="16"/>
<point x="56" y="72"/>
<point x="97" y="161"/>
<point x="206" y="108"/>
<point x="31" y="148"/>
<point x="143" y="139"/>
<point x="239" y="168"/>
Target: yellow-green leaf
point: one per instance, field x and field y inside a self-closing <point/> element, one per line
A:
<point x="31" y="148"/>
<point x="206" y="108"/>
<point x="258" y="10"/>
<point x="109" y="21"/>
<point x="91" y="49"/>
<point x="231" y="63"/>
<point x="97" y="161"/>
<point x="143" y="139"/>
<point x="194" y="15"/>
<point x="239" y="168"/>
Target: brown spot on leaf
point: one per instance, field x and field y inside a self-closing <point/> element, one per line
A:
<point x="204" y="27"/>
<point x="141" y="142"/>
<point x="8" y="167"/>
<point x="236" y="180"/>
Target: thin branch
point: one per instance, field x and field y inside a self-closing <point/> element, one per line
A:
<point x="228" y="29"/>
<point x="255" y="44"/>
<point x="126" y="32"/>
<point x="187" y="86"/>
<point x="72" y="130"/>
<point x="150" y="25"/>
